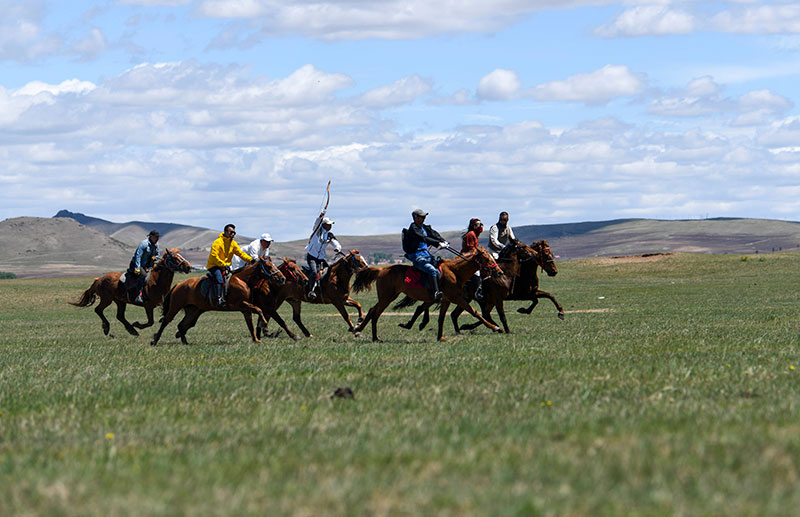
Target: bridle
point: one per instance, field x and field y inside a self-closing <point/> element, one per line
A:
<point x="474" y="259"/>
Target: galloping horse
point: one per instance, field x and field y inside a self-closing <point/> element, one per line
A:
<point x="455" y="272"/>
<point x="495" y="290"/>
<point x="108" y="288"/>
<point x="334" y="289"/>
<point x="268" y="300"/>
<point x="187" y="295"/>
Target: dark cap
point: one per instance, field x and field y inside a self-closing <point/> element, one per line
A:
<point x="154" y="233"/>
<point x="420" y="212"/>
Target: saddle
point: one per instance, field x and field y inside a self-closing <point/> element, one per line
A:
<point x="208" y="281"/>
<point x="323" y="276"/>
<point x="417" y="279"/>
<point x="127" y="284"/>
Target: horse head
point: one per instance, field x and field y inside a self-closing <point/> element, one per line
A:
<point x="266" y="269"/>
<point x="292" y="272"/>
<point x="517" y="250"/>
<point x="356" y="261"/>
<point x="486" y="261"/>
<point x="544" y="257"/>
<point x="174" y="261"/>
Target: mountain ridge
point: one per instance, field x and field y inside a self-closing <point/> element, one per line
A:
<point x="72" y="243"/>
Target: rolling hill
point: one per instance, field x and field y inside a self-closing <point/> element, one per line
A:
<point x="71" y="244"/>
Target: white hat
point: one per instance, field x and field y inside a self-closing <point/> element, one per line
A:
<point x="266" y="237"/>
<point x="327" y="220"/>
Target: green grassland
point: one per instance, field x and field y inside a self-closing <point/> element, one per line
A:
<point x="672" y="387"/>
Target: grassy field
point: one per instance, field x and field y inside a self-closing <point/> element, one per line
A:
<point x="672" y="387"/>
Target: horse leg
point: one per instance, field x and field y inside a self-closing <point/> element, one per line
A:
<point x="464" y="304"/>
<point x="296" y="317"/>
<point x="376" y="311"/>
<point x="99" y="310"/>
<point x="190" y="316"/>
<point x="340" y="307"/>
<point x="121" y="317"/>
<point x="417" y="313"/>
<point x="454" y="316"/>
<point x="442" y="314"/>
<point x="352" y="303"/>
<point x="502" y="313"/>
<point x="165" y="319"/>
<point x="279" y="320"/>
<point x="248" y="319"/>
<point x="148" y="310"/>
<point x="545" y="294"/>
<point x="534" y="302"/>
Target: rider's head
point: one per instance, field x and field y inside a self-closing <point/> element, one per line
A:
<point x="419" y="215"/>
<point x="503" y="219"/>
<point x="327" y="223"/>
<point x="266" y="240"/>
<point x="153" y="236"/>
<point x="475" y="225"/>
<point x="229" y="231"/>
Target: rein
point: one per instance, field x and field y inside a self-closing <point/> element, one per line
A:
<point x="473" y="259"/>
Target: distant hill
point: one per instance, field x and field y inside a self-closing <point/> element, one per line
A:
<point x="74" y="244"/>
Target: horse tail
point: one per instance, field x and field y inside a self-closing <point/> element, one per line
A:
<point x="407" y="301"/>
<point x="365" y="278"/>
<point x="89" y="296"/>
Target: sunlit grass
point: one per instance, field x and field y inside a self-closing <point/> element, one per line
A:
<point x="671" y="387"/>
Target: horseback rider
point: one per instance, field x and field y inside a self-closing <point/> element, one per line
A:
<point x="143" y="259"/>
<point x="416" y="240"/>
<point x="219" y="260"/>
<point x="320" y="237"/>
<point x="500" y="234"/>
<point x="259" y="248"/>
<point x="469" y="243"/>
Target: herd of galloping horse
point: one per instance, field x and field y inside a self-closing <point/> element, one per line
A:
<point x="262" y="287"/>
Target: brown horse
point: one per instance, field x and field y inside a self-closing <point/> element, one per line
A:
<point x="334" y="288"/>
<point x="187" y="295"/>
<point x="268" y="300"/>
<point x="495" y="290"/>
<point x="108" y="288"/>
<point x="455" y="272"/>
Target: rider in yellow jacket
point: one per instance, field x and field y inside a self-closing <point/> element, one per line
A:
<point x="222" y="251"/>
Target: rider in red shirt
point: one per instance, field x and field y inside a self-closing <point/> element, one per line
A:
<point x="469" y="243"/>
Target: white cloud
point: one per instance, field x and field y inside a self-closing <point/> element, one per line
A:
<point x="402" y="91"/>
<point x="598" y="87"/>
<point x="500" y="84"/>
<point x="648" y="20"/>
<point x="765" y="19"/>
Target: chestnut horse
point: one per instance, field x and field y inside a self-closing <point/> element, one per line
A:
<point x="108" y="288"/>
<point x="187" y="295"/>
<point x="334" y="288"/>
<point x="269" y="299"/>
<point x="495" y="290"/>
<point x="455" y="272"/>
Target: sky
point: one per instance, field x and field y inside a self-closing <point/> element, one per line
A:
<point x="208" y="112"/>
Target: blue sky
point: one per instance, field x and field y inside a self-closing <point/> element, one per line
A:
<point x="206" y="112"/>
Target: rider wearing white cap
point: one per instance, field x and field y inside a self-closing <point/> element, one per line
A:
<point x="259" y="248"/>
<point x="321" y="236"/>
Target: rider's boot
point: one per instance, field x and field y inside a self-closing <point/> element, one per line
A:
<point x="436" y="294"/>
<point x="219" y="294"/>
<point x="479" y="291"/>
<point x="311" y="294"/>
<point x="139" y="298"/>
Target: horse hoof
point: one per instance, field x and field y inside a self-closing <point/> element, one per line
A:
<point x="133" y="332"/>
<point x="522" y="310"/>
<point x="561" y="316"/>
<point x="443" y="340"/>
<point x="498" y="330"/>
<point x="356" y="333"/>
<point x="297" y="338"/>
<point x="153" y="343"/>
<point x="404" y="326"/>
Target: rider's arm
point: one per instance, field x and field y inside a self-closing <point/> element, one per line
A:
<point x="137" y="257"/>
<point x="336" y="246"/>
<point x="241" y="254"/>
<point x="494" y="232"/>
<point x="511" y="233"/>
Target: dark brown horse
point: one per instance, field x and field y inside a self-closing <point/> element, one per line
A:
<point x="495" y="290"/>
<point x="334" y="288"/>
<point x="188" y="296"/>
<point x="528" y="286"/>
<point x="108" y="289"/>
<point x="268" y="300"/>
<point x="390" y="283"/>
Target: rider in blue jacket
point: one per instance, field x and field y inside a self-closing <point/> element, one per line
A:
<point x="144" y="258"/>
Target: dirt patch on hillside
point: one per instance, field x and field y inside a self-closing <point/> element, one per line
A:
<point x="631" y="259"/>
